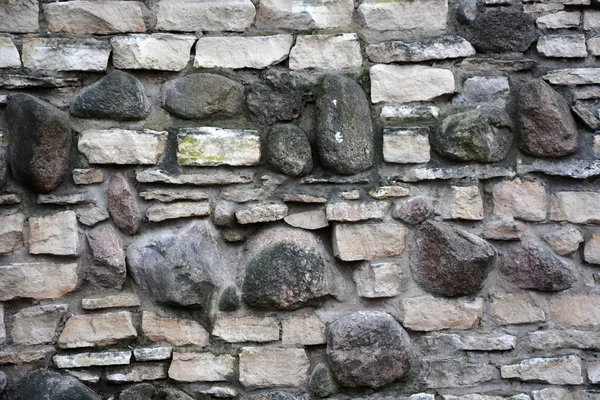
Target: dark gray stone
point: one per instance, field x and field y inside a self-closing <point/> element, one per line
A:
<point x="176" y="268"/>
<point x="108" y="271"/>
<point x="482" y="135"/>
<point x="203" y="95"/>
<point x="3" y="382"/>
<point x="49" y="385"/>
<point x="546" y="124"/>
<point x="118" y="96"/>
<point x="413" y="211"/>
<point x="448" y="261"/>
<point x="173" y="394"/>
<point x="528" y="266"/>
<point x="276" y="396"/>
<point x="344" y="126"/>
<point x="367" y="348"/>
<point x="39" y="142"/>
<point x="499" y="30"/>
<point x="321" y="383"/>
<point x="3" y="165"/>
<point x="230" y="299"/>
<point x="141" y="391"/>
<point x="123" y="206"/>
<point x="288" y="150"/>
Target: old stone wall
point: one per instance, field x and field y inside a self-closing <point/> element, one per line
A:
<point x="296" y="199"/>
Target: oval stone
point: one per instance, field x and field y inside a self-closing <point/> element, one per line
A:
<point x="288" y="150"/>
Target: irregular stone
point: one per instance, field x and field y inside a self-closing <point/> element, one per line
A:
<point x="522" y="199"/>
<point x="559" y="371"/>
<point x="591" y="20"/>
<point x="406" y="83"/>
<point x="575" y="207"/>
<point x="303" y="329"/>
<point x="43" y="384"/>
<point x="204" y="367"/>
<point x="328" y="177"/>
<point x="9" y="55"/>
<point x="344" y="126"/>
<point x="152" y="353"/>
<point x="61" y="199"/>
<point x="486" y="89"/>
<point x="593" y="370"/>
<point x="244" y="195"/>
<point x="352" y="212"/>
<point x="575" y="309"/>
<point x="378" y="280"/>
<point x="455" y="373"/>
<point x="311" y="220"/>
<point x="19" y="16"/>
<point x="494" y="65"/>
<point x="289" y="151"/>
<point x="11" y="233"/>
<point x="449" y="261"/>
<point x="350" y="195"/>
<point x="574" y="76"/>
<point x="91" y="216"/>
<point x="566" y="46"/>
<point x="306" y="15"/>
<point x="109" y="269"/>
<point x="230" y="299"/>
<point x="246" y="329"/>
<point x="56" y="234"/>
<point x="500" y="30"/>
<point x="206" y="178"/>
<point x="384" y="192"/>
<point x="427" y="16"/>
<point x="559" y="20"/>
<point x="122" y="205"/>
<point x="158" y="51"/>
<point x="326" y="52"/>
<point x="38" y="281"/>
<point x="463" y="202"/>
<point x="40" y="142"/>
<point x="591" y="253"/>
<point x="178" y="268"/>
<point x="268" y="367"/>
<point x="576" y="169"/>
<point x="256" y="52"/>
<point x="542" y="7"/>
<point x="438" y="48"/>
<point x="183" y="332"/>
<point x="114" y="301"/>
<point x="22" y="81"/>
<point x="528" y="266"/>
<point x="62" y="54"/>
<point x="20" y="355"/>
<point x="119" y="146"/>
<point x="557" y="339"/>
<point x="37" y="325"/>
<point x="163" y="212"/>
<point x="136" y="373"/>
<point x="2" y="328"/>
<point x="93" y="330"/>
<point x="321" y="382"/>
<point x="475" y="171"/>
<point x="87" y="176"/>
<point x="92" y="359"/>
<point x="212" y="15"/>
<point x="412" y="112"/>
<point x="172" y="195"/>
<point x="503" y="228"/>
<point x="85" y="376"/>
<point x="586" y="116"/>
<point x="472" y="342"/>
<point x="368" y="241"/>
<point x="515" y="308"/>
<point x="406" y="145"/>
<point x="413" y="211"/>
<point x="9" y="199"/>
<point x="261" y="213"/>
<point x="433" y="314"/>
<point x="565" y="240"/>
<point x="303" y="198"/>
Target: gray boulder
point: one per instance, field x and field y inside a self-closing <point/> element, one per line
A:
<point x="499" y="30"/>
<point x="49" y="385"/>
<point x="288" y="150"/>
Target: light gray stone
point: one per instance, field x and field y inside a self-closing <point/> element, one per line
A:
<point x="476" y="171"/>
<point x="2" y="326"/>
<point x="433" y="314"/>
<point x="20" y="355"/>
<point x="326" y="52"/>
<point x="378" y="280"/>
<point x="567" y="46"/>
<point x="120" y="146"/>
<point x="591" y="252"/>
<point x="111" y="301"/>
<point x="92" y="215"/>
<point x="311" y="220"/>
<point x="11" y="233"/>
<point x="568" y="338"/>
<point x="406" y="145"/>
<point x="303" y="198"/>
<point x="534" y="8"/>
<point x="574" y="76"/>
<point x="206" y="178"/>
<point x="246" y="329"/>
<point x="559" y="20"/>
<point x="136" y="373"/>
<point x="303" y="329"/>
<point x="503" y="227"/>
<point x="575" y="309"/>
<point x="163" y="212"/>
<point x="268" y="367"/>
<point x="86" y="376"/>
<point x="472" y="342"/>
<point x="62" y="200"/>
<point x="353" y="212"/>
<point x="60" y="54"/>
<point x="486" y="89"/>
<point x="576" y="169"/>
<point x="521" y="199"/>
<point x="455" y="373"/>
<point x="593" y="46"/>
<point x="172" y="195"/>
<point x="565" y="240"/>
<point x="575" y="207"/>
<point x="591" y="20"/>
<point x="56" y="234"/>
<point x="438" y="48"/>
<point x="152" y="353"/>
<point x="9" y="55"/>
<point x="515" y="308"/>
<point x="209" y="146"/>
<point x="19" y="16"/>
<point x="406" y="83"/>
<point x="184" y="332"/>
<point x="211" y="15"/>
<point x="402" y="112"/>
<point x="463" y="202"/>
<point x="91" y="330"/>
<point x="203" y="367"/>
<point x="429" y="16"/>
<point x="559" y="371"/>
<point x="353" y="242"/>
<point x="261" y="213"/>
<point x="394" y="191"/>
<point x="159" y="51"/>
<point x="306" y="14"/>
<point x="92" y="359"/>
<point x="37" y="325"/>
<point x="87" y="176"/>
<point x="244" y="195"/>
<point x="42" y="280"/>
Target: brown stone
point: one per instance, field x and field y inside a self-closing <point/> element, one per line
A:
<point x="576" y="309"/>
<point x="97" y="330"/>
<point x="433" y="314"/>
<point x="37" y="280"/>
<point x="37" y="325"/>
<point x="182" y="332"/>
<point x="109" y="269"/>
<point x="515" y="308"/>
<point x="122" y="205"/>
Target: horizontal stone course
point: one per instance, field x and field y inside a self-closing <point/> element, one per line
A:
<point x="122" y="147"/>
<point x="159" y="51"/>
<point x="211" y="15"/>
<point x="61" y="54"/>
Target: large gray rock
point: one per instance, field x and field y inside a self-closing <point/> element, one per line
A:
<point x="498" y="30"/>
<point x="119" y="96"/>
<point x="122" y="205"/>
<point x="482" y="135"/>
<point x="288" y="150"/>
<point x="530" y="267"/>
<point x="109" y="268"/>
<point x="367" y="348"/>
<point x="344" y="126"/>
<point x="39" y="142"/>
<point x="141" y="391"/>
<point x="545" y="121"/>
<point x="176" y="268"/>
<point x="203" y="95"/>
<point x="49" y="385"/>
<point x="449" y="261"/>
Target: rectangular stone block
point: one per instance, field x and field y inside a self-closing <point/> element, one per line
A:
<point x="37" y="325"/>
<point x="568" y="338"/>
<point x="406" y="83"/>
<point x="9" y="55"/>
<point x="178" y="332"/>
<point x="574" y="76"/>
<point x="403" y="112"/>
<point x="378" y="280"/>
<point x="24" y="355"/>
<point x="123" y="147"/>
<point x="209" y="147"/>
<point x="269" y="367"/>
<point x="575" y="309"/>
<point x="38" y="281"/>
<point x="353" y="242"/>
<point x="432" y="314"/>
<point x="159" y="51"/>
<point x="306" y="14"/>
<point x="515" y="308"/>
<point x="56" y="234"/>
<point x="59" y="54"/>
<point x="152" y="353"/>
<point x="558" y="371"/>
<point x="163" y="212"/>
<point x="204" y="15"/>
<point x="455" y="373"/>
<point x="201" y="367"/>
<point x="92" y="359"/>
<point x="92" y="330"/>
<point x="562" y="46"/>
<point x="261" y="213"/>
<point x="522" y="199"/>
<point x="115" y="301"/>
<point x="2" y="326"/>
<point x="591" y="20"/>
<point x="472" y="342"/>
<point x="87" y="176"/>
<point x="427" y="15"/>
<point x="559" y="20"/>
<point x="406" y="145"/>
<point x="439" y="48"/>
<point x="384" y="192"/>
<point x="19" y="16"/>
<point x="326" y="52"/>
<point x="575" y="207"/>
<point x="136" y="373"/>
<point x="11" y="233"/>
<point x="353" y="212"/>
<point x="207" y="177"/>
<point x="303" y="329"/>
<point x="463" y="202"/>
<point x="246" y="329"/>
<point x="168" y="195"/>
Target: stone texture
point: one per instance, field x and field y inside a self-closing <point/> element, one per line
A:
<point x="92" y="359"/>
<point x="109" y="268"/>
<point x="522" y="199"/>
<point x="591" y="20"/>
<point x="152" y="353"/>
<point x="256" y="52"/>
<point x="261" y="213"/>
<point x="368" y="241"/>
<point x="474" y="171"/>
<point x="499" y="30"/>
<point x="111" y="301"/>
<point x="409" y="112"/>
<point x="321" y="381"/>
<point x="84" y="376"/>
<point x="575" y="207"/>
<point x="49" y="385"/>
<point x="183" y="332"/>
<point x="413" y="211"/>
<point x="303" y="198"/>
<point x="438" y="48"/>
<point x="289" y="151"/>
<point x="305" y="14"/>
<point x="94" y="17"/>
<point x="303" y="329"/>
<point x="246" y="329"/>
<point x="566" y="46"/>
<point x="574" y="76"/>
<point x="212" y="15"/>
<point x="268" y="367"/>
<point x="55" y="234"/>
<point x="528" y="266"/>
<point x="406" y="83"/>
<point x="97" y="330"/>
<point x="311" y="220"/>
<point x="433" y="314"/>
<point x="41" y="280"/>
<point x="9" y="55"/>
<point x="136" y="373"/>
<point x="11" y="233"/>
<point x="559" y="20"/>
<point x="472" y="342"/>
<point x="428" y="16"/>
<point x="463" y="202"/>
<point x="344" y="126"/>
<point x="92" y="215"/>
<point x="20" y="355"/>
<point x="406" y="145"/>
<point x="586" y="116"/>
<point x="229" y="299"/>
<point x="378" y="280"/>
<point x="515" y="308"/>
<point x="122" y="205"/>
<point x="591" y="253"/>
<point x="20" y="16"/>
<point x="62" y="200"/>
<point x="545" y="122"/>
<point x="392" y="191"/>
<point x="2" y="327"/>
<point x="450" y="262"/>
<point x="159" y="51"/>
<point x="486" y="89"/>
<point x="40" y="142"/>
<point x="204" y="367"/>
<point x="575" y="310"/>
<point x="568" y="338"/>
<point x="503" y="227"/>
<point x="163" y="212"/>
<point x="353" y="212"/>
<point x="455" y="373"/>
<point x="559" y="371"/>
<point x="173" y="195"/>
<point x="564" y="240"/>
<point x="326" y="52"/>
<point x="87" y="176"/>
<point x="37" y="325"/>
<point x="62" y="54"/>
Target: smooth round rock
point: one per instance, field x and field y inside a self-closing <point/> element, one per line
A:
<point x="123" y="206"/>
<point x="288" y="150"/>
<point x="413" y="211"/>
<point x="448" y="261"/>
<point x="367" y="348"/>
<point x="118" y="96"/>
<point x="49" y="385"/>
<point x="39" y="142"/>
<point x="321" y="383"/>
<point x="499" y="30"/>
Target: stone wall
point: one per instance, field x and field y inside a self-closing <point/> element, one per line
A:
<point x="295" y="199"/>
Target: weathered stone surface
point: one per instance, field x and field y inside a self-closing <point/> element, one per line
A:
<point x="172" y="195"/>
<point x="2" y="327"/>
<point x="289" y="151"/>
<point x="413" y="211"/>
<point x="321" y="381"/>
<point x="528" y="266"/>
<point x="40" y="142"/>
<point x="37" y="280"/>
<point x="522" y="199"/>
<point x="406" y="83"/>
<point x="9" y="55"/>
<point x="449" y="261"/>
<point x="368" y="241"/>
<point x="177" y="268"/>
<point x="591" y="253"/>
<point x="575" y="310"/>
<point x="463" y="202"/>
<point x="305" y="14"/>
<point x="114" y="301"/>
<point x="85" y="376"/>
<point x="159" y="51"/>
<point x="10" y="199"/>
<point x="591" y="20"/>
<point x="20" y="355"/>
<point x="559" y="371"/>
<point x="472" y="342"/>
<point x="183" y="332"/>
<point x="163" y="212"/>
<point x="61" y="54"/>
<point x="326" y="52"/>
<point x="55" y="234"/>
<point x="475" y="171"/>
<point x="244" y="195"/>
<point x="344" y="126"/>
<point x="206" y="178"/>
<point x="556" y="339"/>
<point x="574" y="76"/>
<point x="11" y="233"/>
<point x="204" y="367"/>
<point x="87" y="176"/>
<point x="311" y="220"/>
<point x="575" y="207"/>
<point x="515" y="308"/>
<point x="230" y="299"/>
<point x="303" y="329"/>
<point x="92" y="359"/>
<point x="482" y="135"/>
<point x="109" y="268"/>
<point x="37" y="325"/>
<point x="384" y="192"/>
<point x="559" y="20"/>
<point x="500" y="30"/>
<point x="367" y="348"/>
<point x="428" y="16"/>
<point x="246" y="329"/>
<point x="136" y="373"/>
<point x="486" y="89"/>
<point x="62" y="200"/>
<point x="303" y="198"/>
<point x="212" y="15"/>
<point x="545" y="122"/>
<point x="49" y="385"/>
<point x="411" y="112"/>
<point x="268" y="367"/>
<point x="455" y="373"/>
<point x="378" y="280"/>
<point x="433" y="314"/>
<point x="90" y="216"/>
<point x="353" y="212"/>
<point x="565" y="240"/>
<point x="139" y="391"/>
<point x="261" y="213"/>
<point x="406" y="145"/>
<point x="152" y="353"/>
<point x="567" y="46"/>
<point x="209" y="146"/>
<point x="256" y="52"/>
<point x="93" y="330"/>
<point x="438" y="48"/>
<point x="20" y="16"/>
<point x="122" y="205"/>
<point x="586" y="116"/>
<point x="503" y="228"/>
<point x="118" y="95"/>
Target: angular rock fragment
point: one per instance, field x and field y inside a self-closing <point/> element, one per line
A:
<point x="109" y="268"/>
<point x="122" y="205"/>
<point x="305" y="14"/>
<point x="565" y="240"/>
<point x="521" y="199"/>
<point x="564" y="46"/>
<point x="123" y="147"/>
<point x="54" y="234"/>
<point x="433" y="314"/>
<point x="92" y="359"/>
<point x="289" y="151"/>
<point x="37" y="325"/>
<point x="406" y="146"/>
<point x="406" y="83"/>
<point x="159" y="51"/>
<point x="9" y="55"/>
<point x="326" y="52"/>
<point x="40" y="280"/>
<point x="498" y="30"/>
<point x="438" y="48"/>
<point x="303" y="329"/>
<point x="559" y="371"/>
<point x="211" y="15"/>
<point x="204" y="367"/>
<point x="65" y="54"/>
<point x="11" y="233"/>
<point x="353" y="242"/>
<point x="246" y="329"/>
<point x="515" y="308"/>
<point x="178" y="332"/>
<point x="427" y="16"/>
<point x="263" y="367"/>
<point x="261" y="213"/>
<point x="49" y="385"/>
<point x="97" y="330"/>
